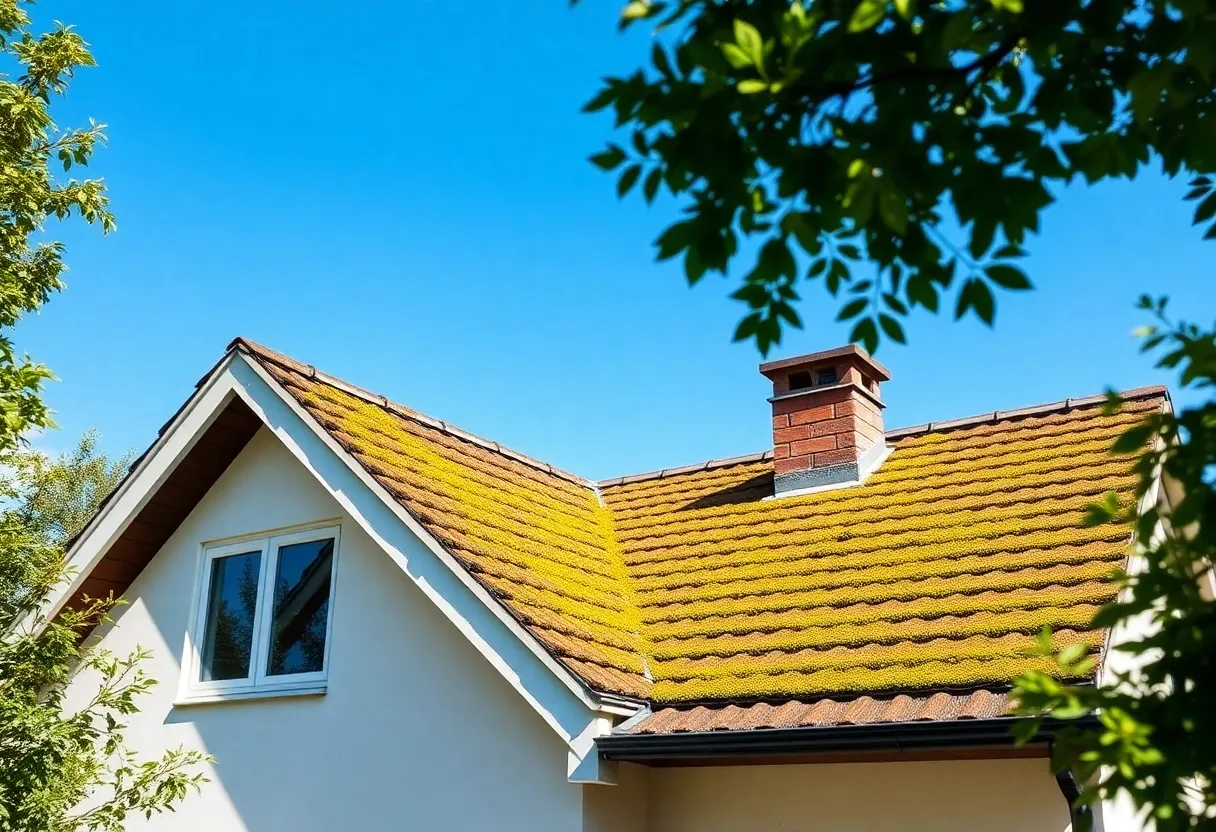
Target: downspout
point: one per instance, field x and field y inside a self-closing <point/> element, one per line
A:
<point x="1082" y="815"/>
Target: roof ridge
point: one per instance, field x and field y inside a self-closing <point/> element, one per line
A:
<point x="264" y="353"/>
<point x="992" y="417"/>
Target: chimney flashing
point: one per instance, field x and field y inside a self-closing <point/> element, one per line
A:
<point x="817" y="480"/>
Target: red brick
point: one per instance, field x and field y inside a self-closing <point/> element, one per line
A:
<point x="789" y="466"/>
<point x="857" y="406"/>
<point x="833" y="426"/>
<point x="818" y="413"/>
<point x="781" y="421"/>
<point x="870" y="432"/>
<point x="853" y="439"/>
<point x="811" y="446"/>
<point x="792" y="434"/>
<point x="781" y="451"/>
<point x="838" y="457"/>
<point x="834" y="396"/>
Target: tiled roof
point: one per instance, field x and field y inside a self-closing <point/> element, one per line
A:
<point x="862" y="710"/>
<point x="537" y="538"/>
<point x="689" y="586"/>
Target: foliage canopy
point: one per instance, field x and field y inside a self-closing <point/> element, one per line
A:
<point x="899" y="151"/>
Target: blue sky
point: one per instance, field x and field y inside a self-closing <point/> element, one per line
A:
<point x="397" y="192"/>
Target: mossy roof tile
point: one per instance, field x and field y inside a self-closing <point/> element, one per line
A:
<point x="688" y="586"/>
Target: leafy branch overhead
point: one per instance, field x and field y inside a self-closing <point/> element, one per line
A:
<point x="898" y="152"/>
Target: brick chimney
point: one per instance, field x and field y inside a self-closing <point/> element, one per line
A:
<point x="827" y="418"/>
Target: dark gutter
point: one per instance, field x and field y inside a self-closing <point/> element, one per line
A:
<point x="908" y="736"/>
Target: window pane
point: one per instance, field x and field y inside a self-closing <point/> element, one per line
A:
<point x="233" y="599"/>
<point x="301" y="607"/>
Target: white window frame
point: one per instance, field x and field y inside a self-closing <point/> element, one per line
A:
<point x="257" y="683"/>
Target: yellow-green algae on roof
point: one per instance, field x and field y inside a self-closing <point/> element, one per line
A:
<point x="937" y="573"/>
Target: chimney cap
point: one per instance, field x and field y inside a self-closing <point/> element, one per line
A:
<point x="853" y="351"/>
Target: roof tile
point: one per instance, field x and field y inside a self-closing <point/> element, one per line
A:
<point x="686" y="586"/>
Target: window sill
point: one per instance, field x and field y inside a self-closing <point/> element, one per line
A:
<point x="210" y="697"/>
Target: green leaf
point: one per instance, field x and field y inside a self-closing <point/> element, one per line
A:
<point x="750" y="86"/>
<point x="635" y="10"/>
<point x="650" y="187"/>
<point x="601" y="100"/>
<point x="1013" y="6"/>
<point x="892" y="328"/>
<point x="906" y="8"/>
<point x="982" y="234"/>
<point x="1205" y="210"/>
<point x="1071" y="654"/>
<point x="1101" y="512"/>
<point x="735" y="56"/>
<point x="977" y="297"/>
<point x="629" y="177"/>
<point x="1134" y="439"/>
<point x="867" y="333"/>
<point x="957" y="31"/>
<point x="852" y="309"/>
<point x="804" y="232"/>
<point x="1008" y="277"/>
<point x="895" y="304"/>
<point x="608" y="159"/>
<point x="750" y="42"/>
<point x="867" y="15"/>
<point x="675" y="239"/>
<point x="922" y="291"/>
<point x="894" y="210"/>
<point x="748" y="326"/>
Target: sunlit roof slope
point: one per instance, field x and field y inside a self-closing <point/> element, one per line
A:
<point x="535" y="537"/>
<point x="695" y="586"/>
<point x="936" y="573"/>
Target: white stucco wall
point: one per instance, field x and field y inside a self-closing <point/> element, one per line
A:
<point x="957" y="796"/>
<point x="417" y="730"/>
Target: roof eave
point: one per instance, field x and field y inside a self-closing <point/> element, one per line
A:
<point x="882" y="737"/>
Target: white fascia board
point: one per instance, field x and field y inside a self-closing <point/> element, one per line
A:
<point x="174" y="442"/>
<point x="547" y="686"/>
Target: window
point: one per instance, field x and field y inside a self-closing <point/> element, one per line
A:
<point x="263" y="615"/>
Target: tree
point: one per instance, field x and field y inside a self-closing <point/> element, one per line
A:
<point x="899" y="151"/>
<point x="63" y="769"/>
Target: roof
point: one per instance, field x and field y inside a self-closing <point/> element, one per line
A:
<point x="860" y="710"/>
<point x="687" y="586"/>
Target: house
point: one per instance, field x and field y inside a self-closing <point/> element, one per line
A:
<point x="377" y="621"/>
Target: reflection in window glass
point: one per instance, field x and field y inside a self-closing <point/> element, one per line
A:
<point x="301" y="606"/>
<point x="231" y="603"/>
